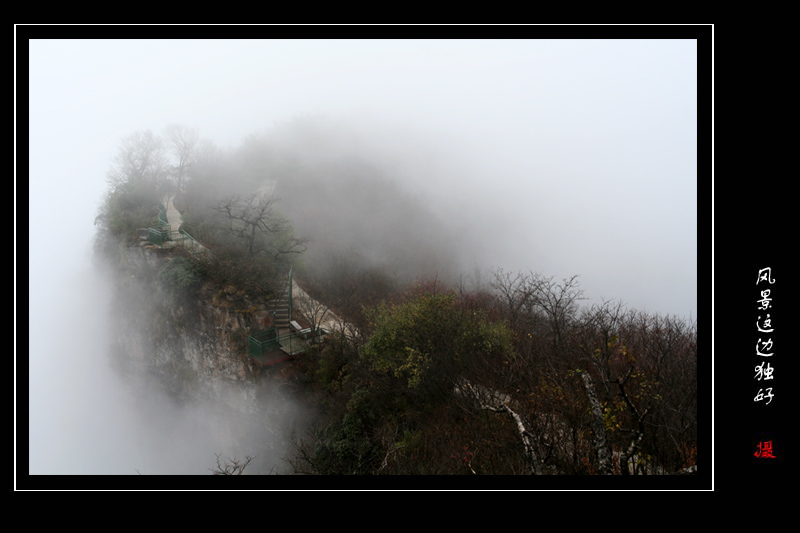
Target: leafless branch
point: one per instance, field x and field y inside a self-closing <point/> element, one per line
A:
<point x="256" y="221"/>
<point x="498" y="403"/>
<point x="232" y="467"/>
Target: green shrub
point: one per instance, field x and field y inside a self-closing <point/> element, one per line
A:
<point x="428" y="342"/>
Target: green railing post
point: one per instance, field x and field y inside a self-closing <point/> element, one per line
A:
<point x="162" y="215"/>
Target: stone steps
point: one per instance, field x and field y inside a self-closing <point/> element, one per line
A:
<point x="280" y="308"/>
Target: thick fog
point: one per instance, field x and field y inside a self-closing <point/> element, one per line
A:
<point x="556" y="156"/>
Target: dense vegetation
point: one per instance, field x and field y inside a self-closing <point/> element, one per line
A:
<point x="426" y="375"/>
<point x="519" y="380"/>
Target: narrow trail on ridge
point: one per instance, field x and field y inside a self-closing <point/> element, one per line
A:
<point x="322" y="315"/>
<point x="174" y="218"/>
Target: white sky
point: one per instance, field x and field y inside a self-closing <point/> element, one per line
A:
<point x="570" y="156"/>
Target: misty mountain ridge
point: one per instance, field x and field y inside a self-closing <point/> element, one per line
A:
<point x="420" y="341"/>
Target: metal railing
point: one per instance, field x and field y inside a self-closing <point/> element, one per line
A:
<point x="163" y="232"/>
<point x="162" y="215"/>
<point x="159" y="235"/>
<point x="191" y="244"/>
<point x="267" y="348"/>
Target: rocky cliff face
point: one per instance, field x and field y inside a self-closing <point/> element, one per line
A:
<point x="196" y="345"/>
<point x="185" y="358"/>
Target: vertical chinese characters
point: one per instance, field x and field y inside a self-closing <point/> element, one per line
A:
<point x="764" y="345"/>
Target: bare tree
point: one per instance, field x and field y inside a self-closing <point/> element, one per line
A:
<point x="231" y="467"/>
<point x="182" y="142"/>
<point x="514" y="292"/>
<point x="141" y="160"/>
<point x="626" y="353"/>
<point x="256" y="222"/>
